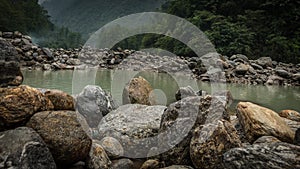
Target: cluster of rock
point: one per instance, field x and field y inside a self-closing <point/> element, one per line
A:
<point x="42" y="128"/>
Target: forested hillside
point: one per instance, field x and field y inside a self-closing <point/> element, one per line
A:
<point x="28" y="17"/>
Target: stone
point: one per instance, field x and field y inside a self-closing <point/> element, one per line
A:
<point x="274" y="80"/>
<point x="178" y="123"/>
<point x="94" y="103"/>
<point x="290" y="114"/>
<point x="282" y="73"/>
<point x="24" y="148"/>
<point x="112" y="147"/>
<point x="184" y="92"/>
<point x="7" y="34"/>
<point x="60" y="100"/>
<point x="296" y="77"/>
<point x="46" y="67"/>
<point x="129" y="125"/>
<point x="259" y="121"/>
<point x="63" y="135"/>
<point x="137" y="91"/>
<point x="268" y="156"/>
<point x="294" y="125"/>
<point x="123" y="163"/>
<point x="98" y="158"/>
<point x="266" y="139"/>
<point x="210" y="141"/>
<point x="18" y="104"/>
<point x="178" y="167"/>
<point x="10" y="73"/>
<point x="151" y="164"/>
<point x="239" y="56"/>
<point x="265" y="62"/>
<point x="73" y="61"/>
<point x="297" y="137"/>
<point x="241" y="69"/>
<point x="256" y="66"/>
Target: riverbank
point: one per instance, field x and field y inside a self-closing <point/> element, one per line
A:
<point x="236" y="69"/>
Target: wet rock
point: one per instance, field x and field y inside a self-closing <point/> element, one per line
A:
<point x="63" y="135"/>
<point x="137" y="91"/>
<point x="210" y="141"/>
<point x="290" y="114"/>
<point x="178" y="167"/>
<point x="24" y="148"/>
<point x="60" y="100"/>
<point x="282" y="73"/>
<point x="18" y="104"/>
<point x="263" y="156"/>
<point x="178" y="122"/>
<point x="129" y="124"/>
<point x="266" y="139"/>
<point x="264" y="62"/>
<point x="241" y="69"/>
<point x="94" y="103"/>
<point x="123" y="163"/>
<point x="98" y="158"/>
<point x="184" y="92"/>
<point x="259" y="121"/>
<point x="112" y="147"/>
<point x="10" y="73"/>
<point x="150" y="164"/>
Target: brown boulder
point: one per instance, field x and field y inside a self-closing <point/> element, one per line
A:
<point x="63" y="135"/>
<point x="98" y="158"/>
<point x="137" y="91"/>
<point x="259" y="121"/>
<point x="18" y="104"/>
<point x="60" y="100"/>
<point x="290" y="114"/>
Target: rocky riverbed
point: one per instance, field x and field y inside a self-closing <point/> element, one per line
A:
<point x="235" y="69"/>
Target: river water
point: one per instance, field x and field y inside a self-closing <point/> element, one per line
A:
<point x="274" y="97"/>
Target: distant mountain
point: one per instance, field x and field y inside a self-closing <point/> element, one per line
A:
<point x="87" y="16"/>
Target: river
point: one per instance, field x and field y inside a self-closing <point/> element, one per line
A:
<point x="274" y="97"/>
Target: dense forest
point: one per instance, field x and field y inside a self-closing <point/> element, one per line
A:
<point x="28" y="17"/>
<point x="255" y="28"/>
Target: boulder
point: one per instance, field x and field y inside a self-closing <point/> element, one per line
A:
<point x="282" y="73"/>
<point x="129" y="125"/>
<point x="63" y="135"/>
<point x="210" y="141"/>
<point x="239" y="56"/>
<point x="241" y="69"/>
<point x="18" y="104"/>
<point x="264" y="62"/>
<point x="184" y="92"/>
<point x="178" y="167"/>
<point x="297" y="137"/>
<point x="60" y="100"/>
<point x="123" y="163"/>
<point x="260" y="121"/>
<point x="294" y="125"/>
<point x="97" y="158"/>
<point x="267" y="156"/>
<point x="266" y="139"/>
<point x="113" y="147"/>
<point x="296" y="77"/>
<point x="274" y="80"/>
<point x="150" y="164"/>
<point x="290" y="114"/>
<point x="94" y="103"/>
<point x="10" y="73"/>
<point x="24" y="148"/>
<point x="137" y="91"/>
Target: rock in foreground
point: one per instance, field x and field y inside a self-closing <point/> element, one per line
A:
<point x="63" y="134"/>
<point x="24" y="148"/>
<point x="259" y="121"/>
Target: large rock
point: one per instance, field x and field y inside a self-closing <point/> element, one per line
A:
<point x="210" y="141"/>
<point x="282" y="73"/>
<point x="60" y="100"/>
<point x="184" y="92"/>
<point x="137" y="91"/>
<point x="263" y="156"/>
<point x="179" y="122"/>
<point x="264" y="62"/>
<point x="18" y="104"/>
<point x="10" y="73"/>
<point x="290" y="114"/>
<point x="241" y="69"/>
<point x="63" y="134"/>
<point x="129" y="124"/>
<point x="259" y="121"/>
<point x="98" y="158"/>
<point x="94" y="103"/>
<point x="113" y="147"/>
<point x="150" y="164"/>
<point x="24" y="148"/>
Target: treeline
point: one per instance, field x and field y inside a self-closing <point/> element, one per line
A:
<point x="255" y="28"/>
<point x="28" y="17"/>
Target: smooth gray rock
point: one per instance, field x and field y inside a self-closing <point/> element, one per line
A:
<point x="130" y="124"/>
<point x="263" y="156"/>
<point x="265" y="62"/>
<point x="94" y="103"/>
<point x="282" y="73"/>
<point x="23" y="148"/>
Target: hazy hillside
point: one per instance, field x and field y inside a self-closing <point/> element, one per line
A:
<point x="87" y="16"/>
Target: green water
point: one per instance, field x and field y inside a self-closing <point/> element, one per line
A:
<point x="275" y="97"/>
